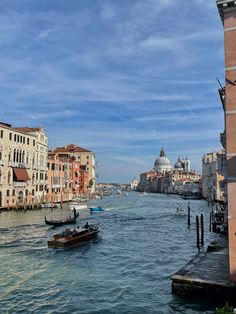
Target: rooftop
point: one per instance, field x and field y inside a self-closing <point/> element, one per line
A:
<point x="224" y="4"/>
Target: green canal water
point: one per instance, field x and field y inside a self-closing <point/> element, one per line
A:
<point x="126" y="269"/>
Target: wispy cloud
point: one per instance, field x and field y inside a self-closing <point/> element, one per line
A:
<point x="121" y="78"/>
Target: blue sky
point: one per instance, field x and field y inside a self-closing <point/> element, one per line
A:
<point x="119" y="77"/>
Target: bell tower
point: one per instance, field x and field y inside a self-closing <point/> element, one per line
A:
<point x="227" y="10"/>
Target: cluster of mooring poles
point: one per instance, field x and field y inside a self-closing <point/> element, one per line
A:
<point x="199" y="227"/>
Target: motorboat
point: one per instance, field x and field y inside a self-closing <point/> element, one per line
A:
<point x="96" y="209"/>
<point x="73" y="237"/>
<point x="77" y="205"/>
<point x="49" y="205"/>
<point x="59" y="222"/>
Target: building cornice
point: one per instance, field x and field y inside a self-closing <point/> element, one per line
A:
<point x="224" y="5"/>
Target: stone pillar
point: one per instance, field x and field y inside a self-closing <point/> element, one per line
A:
<point x="227" y="9"/>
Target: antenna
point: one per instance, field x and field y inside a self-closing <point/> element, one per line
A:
<point x="219" y="82"/>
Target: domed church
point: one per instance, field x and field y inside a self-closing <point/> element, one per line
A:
<point x="162" y="164"/>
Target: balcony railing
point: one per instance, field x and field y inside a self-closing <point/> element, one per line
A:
<point x="18" y="164"/>
<point x="19" y="184"/>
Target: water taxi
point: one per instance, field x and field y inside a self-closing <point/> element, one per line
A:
<point x="73" y="237"/>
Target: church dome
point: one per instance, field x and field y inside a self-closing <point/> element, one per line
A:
<point x="178" y="164"/>
<point x="162" y="163"/>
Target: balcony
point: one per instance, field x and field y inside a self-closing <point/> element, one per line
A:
<point x="19" y="184"/>
<point x="18" y="164"/>
<point x="56" y="186"/>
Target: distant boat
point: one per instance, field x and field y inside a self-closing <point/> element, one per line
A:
<point x="96" y="209"/>
<point x="74" y="237"/>
<point x="143" y="194"/>
<point x="118" y="192"/>
<point x="49" y="205"/>
<point x="190" y="197"/>
<point x="77" y="205"/>
<point x="126" y="194"/>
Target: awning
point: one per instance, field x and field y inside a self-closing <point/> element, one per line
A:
<point x="20" y="174"/>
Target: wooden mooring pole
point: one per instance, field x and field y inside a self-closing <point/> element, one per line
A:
<point x="210" y="222"/>
<point x="189" y="214"/>
<point x="197" y="231"/>
<point x="202" y="230"/>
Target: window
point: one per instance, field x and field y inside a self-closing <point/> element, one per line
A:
<point x="32" y="192"/>
<point x="27" y="141"/>
<point x="15" y="137"/>
<point x="33" y="142"/>
<point x="8" y="193"/>
<point x="13" y="192"/>
<point x="10" y="136"/>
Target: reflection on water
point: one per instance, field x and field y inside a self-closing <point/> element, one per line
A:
<point x="125" y="270"/>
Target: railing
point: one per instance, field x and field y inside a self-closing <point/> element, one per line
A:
<point x="19" y="184"/>
<point x="18" y="164"/>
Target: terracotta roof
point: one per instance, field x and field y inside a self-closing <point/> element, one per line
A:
<point x="70" y="148"/>
<point x="26" y="129"/>
<point x="183" y="179"/>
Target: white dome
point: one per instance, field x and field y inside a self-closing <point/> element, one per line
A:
<point x="162" y="163"/>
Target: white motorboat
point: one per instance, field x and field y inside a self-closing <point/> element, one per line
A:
<point x="77" y="205"/>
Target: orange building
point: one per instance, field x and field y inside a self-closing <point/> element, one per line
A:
<point x="66" y="178"/>
<point x="227" y="10"/>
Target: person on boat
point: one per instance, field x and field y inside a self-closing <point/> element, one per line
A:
<point x="86" y="226"/>
<point x="74" y="211"/>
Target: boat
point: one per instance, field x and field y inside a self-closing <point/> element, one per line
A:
<point x="60" y="222"/>
<point x="77" y="205"/>
<point x="73" y="237"/>
<point x="118" y="192"/>
<point x="190" y="197"/>
<point x="49" y="205"/>
<point x="96" y="209"/>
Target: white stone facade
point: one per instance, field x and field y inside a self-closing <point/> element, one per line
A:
<point x="23" y="166"/>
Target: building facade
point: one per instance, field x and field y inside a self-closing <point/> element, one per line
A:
<point x="23" y="166"/>
<point x="165" y="179"/>
<point x="85" y="157"/>
<point x="227" y="10"/>
<point x="213" y="176"/>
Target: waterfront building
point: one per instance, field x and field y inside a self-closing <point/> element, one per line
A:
<point x="67" y="179"/>
<point x="165" y="179"/>
<point x="134" y="184"/>
<point x="213" y="176"/>
<point x="227" y="10"/>
<point x="23" y="166"/>
<point x="147" y="181"/>
<point x="85" y="157"/>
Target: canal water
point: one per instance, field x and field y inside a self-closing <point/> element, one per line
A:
<point x="126" y="270"/>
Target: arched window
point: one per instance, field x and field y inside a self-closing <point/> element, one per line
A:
<point x="23" y="156"/>
<point x="9" y="177"/>
<point x="33" y="179"/>
<point x="0" y="176"/>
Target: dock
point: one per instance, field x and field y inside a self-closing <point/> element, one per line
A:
<point x="206" y="275"/>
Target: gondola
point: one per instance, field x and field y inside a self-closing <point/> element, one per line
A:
<point x="65" y="221"/>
